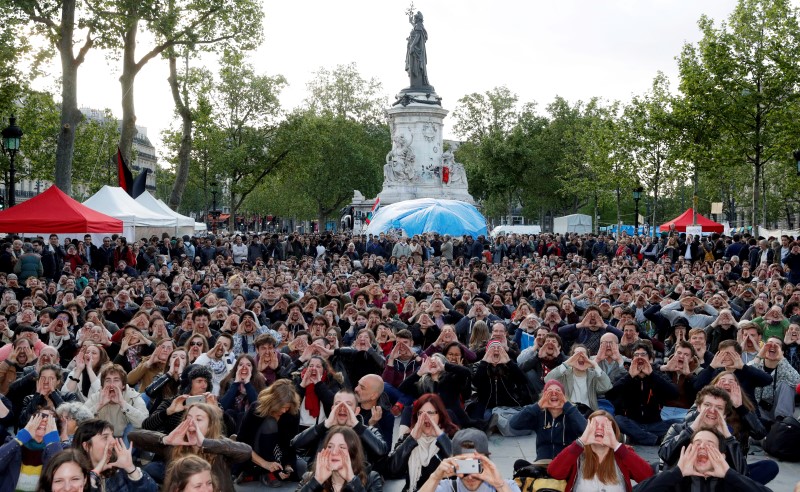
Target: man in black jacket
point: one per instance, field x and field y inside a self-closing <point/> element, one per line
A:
<point x="638" y="397"/>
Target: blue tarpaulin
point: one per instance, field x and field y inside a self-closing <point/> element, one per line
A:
<point x="422" y="215"/>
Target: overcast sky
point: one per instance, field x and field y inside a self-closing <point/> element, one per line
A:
<point x="539" y="49"/>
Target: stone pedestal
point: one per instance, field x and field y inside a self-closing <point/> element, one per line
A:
<point x="417" y="163"/>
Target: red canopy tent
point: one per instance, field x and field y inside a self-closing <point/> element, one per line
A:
<point x="685" y="219"/>
<point x="55" y="212"/>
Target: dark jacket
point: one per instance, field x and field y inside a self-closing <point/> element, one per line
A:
<point x="312" y="438"/>
<point x="398" y="460"/>
<point x="680" y="435"/>
<point x="673" y="481"/>
<point x="356" y="364"/>
<point x="640" y="399"/>
<point x="11" y="459"/>
<point x="503" y="385"/>
<point x="374" y="484"/>
<point x="228" y="451"/>
<point x="552" y="434"/>
<point x="31" y="404"/>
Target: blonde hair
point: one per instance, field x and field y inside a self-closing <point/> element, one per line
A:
<point x="279" y="394"/>
<point x="214" y="431"/>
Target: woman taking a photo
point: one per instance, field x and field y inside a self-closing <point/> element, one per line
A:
<point x="597" y="460"/>
<point x="340" y="465"/>
<point x="419" y="453"/>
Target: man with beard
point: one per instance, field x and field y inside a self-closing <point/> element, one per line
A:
<point x="701" y="466"/>
<point x="588" y="331"/>
<point x="546" y="358"/>
<point x="345" y="412"/>
<point x="638" y="397"/>
<point x="552" y="318"/>
<point x="373" y="404"/>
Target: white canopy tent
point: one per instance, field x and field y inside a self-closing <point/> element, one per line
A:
<point x="138" y="221"/>
<point x="197" y="226"/>
<point x="184" y="224"/>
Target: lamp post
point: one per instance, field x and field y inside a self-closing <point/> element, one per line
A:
<point x="12" y="135"/>
<point x="637" y="195"/>
<point x="796" y="155"/>
<point x="214" y="206"/>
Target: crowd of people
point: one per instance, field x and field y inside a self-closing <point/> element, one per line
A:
<point x="336" y="361"/>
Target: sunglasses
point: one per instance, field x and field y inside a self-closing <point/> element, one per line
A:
<point x="196" y="344"/>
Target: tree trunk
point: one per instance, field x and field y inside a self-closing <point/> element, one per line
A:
<point x="70" y="115"/>
<point x="185" y="149"/>
<point x="126" y="80"/>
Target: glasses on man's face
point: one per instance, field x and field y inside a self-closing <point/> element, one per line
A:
<point x="640" y="354"/>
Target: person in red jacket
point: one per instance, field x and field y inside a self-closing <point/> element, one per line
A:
<point x="604" y="458"/>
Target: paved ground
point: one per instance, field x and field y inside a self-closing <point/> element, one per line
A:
<point x="506" y="450"/>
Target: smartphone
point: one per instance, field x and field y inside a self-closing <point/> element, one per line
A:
<point x="468" y="466"/>
<point x="195" y="399"/>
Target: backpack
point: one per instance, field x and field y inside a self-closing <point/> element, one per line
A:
<point x="534" y="478"/>
<point x="781" y="441"/>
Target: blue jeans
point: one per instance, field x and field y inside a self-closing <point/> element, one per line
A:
<point x="763" y="471"/>
<point x="603" y="404"/>
<point x="645" y="434"/>
<point x="396" y="395"/>
<point x="673" y="413"/>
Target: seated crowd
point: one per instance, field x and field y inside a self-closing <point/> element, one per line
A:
<point x="335" y="362"/>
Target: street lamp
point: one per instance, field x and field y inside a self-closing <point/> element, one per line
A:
<point x="214" y="205"/>
<point x="12" y="135"/>
<point x="637" y="195"/>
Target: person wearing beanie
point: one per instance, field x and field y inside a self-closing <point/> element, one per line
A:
<point x="555" y="421"/>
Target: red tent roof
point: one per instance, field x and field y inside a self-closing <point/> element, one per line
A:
<point x="55" y="212"/>
<point x="685" y="219"/>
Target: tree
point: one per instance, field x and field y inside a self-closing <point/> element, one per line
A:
<point x="343" y="92"/>
<point x="649" y="138"/>
<point x="59" y="21"/>
<point x="331" y="157"/>
<point x="190" y="24"/>
<point x="743" y="76"/>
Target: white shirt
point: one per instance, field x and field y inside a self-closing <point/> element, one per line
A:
<point x="579" y="393"/>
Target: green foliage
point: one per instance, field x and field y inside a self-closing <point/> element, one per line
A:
<point x="344" y="93"/>
<point x="331" y="156"/>
<point x="741" y="85"/>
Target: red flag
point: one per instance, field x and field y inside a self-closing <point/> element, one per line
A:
<point x="124" y="176"/>
<point x="445" y="175"/>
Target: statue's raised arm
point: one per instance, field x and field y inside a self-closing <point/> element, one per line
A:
<point x="416" y="56"/>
